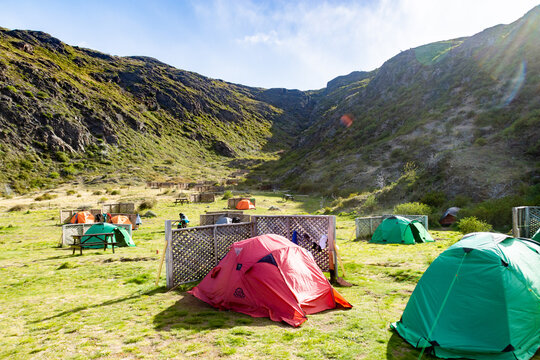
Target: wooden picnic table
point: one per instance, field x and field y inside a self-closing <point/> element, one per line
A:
<point x="97" y="240"/>
<point x="183" y="200"/>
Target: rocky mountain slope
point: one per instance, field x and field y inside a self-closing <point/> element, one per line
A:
<point x="68" y="112"/>
<point x="462" y="115"/>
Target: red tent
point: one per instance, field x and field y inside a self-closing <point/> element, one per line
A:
<point x="269" y="276"/>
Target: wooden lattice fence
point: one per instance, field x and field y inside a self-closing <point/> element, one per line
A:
<point x="210" y="218"/>
<point x="365" y="226"/>
<point x="202" y="198"/>
<point x="119" y="208"/>
<point x="193" y="252"/>
<point x="526" y="221"/>
<point x="309" y="229"/>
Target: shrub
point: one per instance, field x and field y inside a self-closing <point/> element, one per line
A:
<point x="227" y="195"/>
<point x="434" y="198"/>
<point x="115" y="192"/>
<point x="461" y="201"/>
<point x="97" y="192"/>
<point x="29" y="93"/>
<point x="472" y="224"/>
<point x="497" y="212"/>
<point x="68" y="170"/>
<point x="45" y="196"/>
<point x="62" y="156"/>
<point x="17" y="208"/>
<point x="11" y="88"/>
<point x="54" y="175"/>
<point x="71" y="192"/>
<point x="370" y="204"/>
<point x="413" y="208"/>
<point x="147" y="204"/>
<point x="42" y="95"/>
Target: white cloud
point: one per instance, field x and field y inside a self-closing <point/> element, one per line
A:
<point x="262" y="38"/>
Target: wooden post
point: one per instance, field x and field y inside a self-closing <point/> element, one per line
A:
<point x="169" y="257"/>
<point x="515" y="230"/>
<point x="215" y="245"/>
<point x="527" y="223"/>
<point x="332" y="248"/>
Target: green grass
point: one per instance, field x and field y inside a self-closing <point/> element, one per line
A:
<point x="56" y="305"/>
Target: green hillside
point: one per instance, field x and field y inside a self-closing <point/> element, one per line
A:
<point x="462" y="115"/>
<point x="76" y="114"/>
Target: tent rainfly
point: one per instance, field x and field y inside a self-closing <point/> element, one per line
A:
<point x="121" y="236"/>
<point x="399" y="230"/>
<point x="82" y="217"/>
<point x="269" y="276"/>
<point x="480" y="299"/>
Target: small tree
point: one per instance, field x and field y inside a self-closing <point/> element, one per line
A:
<point x="227" y="195"/>
<point x="472" y="224"/>
<point x="413" y="208"/>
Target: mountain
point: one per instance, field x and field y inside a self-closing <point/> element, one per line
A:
<point x="74" y="113"/>
<point x="459" y="116"/>
<point x="463" y="114"/>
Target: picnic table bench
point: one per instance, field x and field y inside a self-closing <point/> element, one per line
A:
<point x="288" y="197"/>
<point x="93" y="240"/>
<point x="183" y="200"/>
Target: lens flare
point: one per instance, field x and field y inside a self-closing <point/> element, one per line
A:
<point x="515" y="84"/>
<point x="346" y="120"/>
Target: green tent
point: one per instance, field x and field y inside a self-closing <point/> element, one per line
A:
<point x="399" y="230"/>
<point x="537" y="235"/>
<point x="480" y="299"/>
<point x="121" y="236"/>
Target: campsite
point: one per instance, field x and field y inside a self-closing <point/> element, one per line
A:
<point x="105" y="305"/>
<point x="264" y="179"/>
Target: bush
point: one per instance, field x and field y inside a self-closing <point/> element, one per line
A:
<point x="497" y="212"/>
<point x="147" y="204"/>
<point x="434" y="199"/>
<point x="62" y="156"/>
<point x="115" y="192"/>
<point x="42" y="95"/>
<point x="472" y="224"/>
<point x="227" y="195"/>
<point x="54" y="175"/>
<point x="17" y="208"/>
<point x="45" y="196"/>
<point x="413" y="208"/>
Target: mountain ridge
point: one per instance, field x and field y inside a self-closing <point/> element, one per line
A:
<point x="461" y="111"/>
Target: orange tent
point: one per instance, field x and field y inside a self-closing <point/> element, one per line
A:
<point x="245" y="204"/>
<point x="120" y="219"/>
<point x="82" y="217"/>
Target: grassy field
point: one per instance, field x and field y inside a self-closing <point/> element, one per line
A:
<point x="106" y="306"/>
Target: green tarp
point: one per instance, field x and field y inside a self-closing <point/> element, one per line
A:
<point x="121" y="236"/>
<point x="399" y="230"/>
<point x="480" y="299"/>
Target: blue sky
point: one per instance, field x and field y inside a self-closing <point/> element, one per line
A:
<point x="294" y="44"/>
